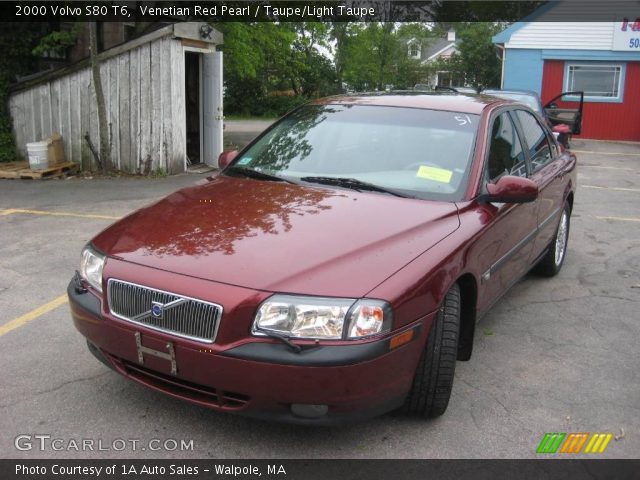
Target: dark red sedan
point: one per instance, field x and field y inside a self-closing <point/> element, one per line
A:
<point x="337" y="266"/>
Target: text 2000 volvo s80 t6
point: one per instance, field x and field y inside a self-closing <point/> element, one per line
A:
<point x="335" y="268"/>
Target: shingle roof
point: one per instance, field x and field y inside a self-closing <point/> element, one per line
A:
<point x="435" y="47"/>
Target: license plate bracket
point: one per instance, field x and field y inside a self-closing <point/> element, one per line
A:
<point x="170" y="355"/>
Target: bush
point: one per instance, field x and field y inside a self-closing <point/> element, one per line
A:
<point x="241" y="95"/>
<point x="17" y="41"/>
<point x="247" y="97"/>
<point x="8" y="151"/>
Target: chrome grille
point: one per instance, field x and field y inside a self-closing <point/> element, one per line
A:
<point x="174" y="314"/>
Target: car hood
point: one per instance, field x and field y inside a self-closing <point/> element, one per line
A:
<point x="276" y="236"/>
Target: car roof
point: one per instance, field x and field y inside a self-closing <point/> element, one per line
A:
<point x="513" y="94"/>
<point x="489" y="91"/>
<point x="446" y="101"/>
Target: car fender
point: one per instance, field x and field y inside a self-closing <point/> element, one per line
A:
<point x="420" y="286"/>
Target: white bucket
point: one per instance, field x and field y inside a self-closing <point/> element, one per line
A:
<point x="38" y="158"/>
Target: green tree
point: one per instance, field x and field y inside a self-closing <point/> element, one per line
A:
<point x="409" y="71"/>
<point x="311" y="72"/>
<point x="375" y="55"/>
<point x="371" y="56"/>
<point x="339" y="34"/>
<point x="257" y="57"/>
<point x="255" y="50"/>
<point x="415" y="30"/>
<point x="266" y="63"/>
<point x="58" y="40"/>
<point x="385" y="47"/>
<point x="17" y="40"/>
<point x="476" y="59"/>
<point x="358" y="69"/>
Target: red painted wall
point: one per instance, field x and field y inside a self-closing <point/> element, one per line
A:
<point x="602" y="121"/>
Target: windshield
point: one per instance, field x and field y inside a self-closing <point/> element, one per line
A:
<point x="415" y="152"/>
<point x="529" y="100"/>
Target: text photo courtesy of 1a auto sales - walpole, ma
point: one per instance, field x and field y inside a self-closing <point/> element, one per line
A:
<point x="319" y="239"/>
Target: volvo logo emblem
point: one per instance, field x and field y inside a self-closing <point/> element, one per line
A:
<point x="157" y="309"/>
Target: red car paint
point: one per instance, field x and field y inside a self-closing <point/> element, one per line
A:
<point x="236" y="241"/>
<point x="239" y="220"/>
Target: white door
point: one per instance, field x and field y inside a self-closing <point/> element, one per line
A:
<point x="212" y="123"/>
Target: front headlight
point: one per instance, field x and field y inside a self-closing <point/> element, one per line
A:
<point x="322" y="318"/>
<point x="91" y="267"/>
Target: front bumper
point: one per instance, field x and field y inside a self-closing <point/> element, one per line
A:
<point x="258" y="377"/>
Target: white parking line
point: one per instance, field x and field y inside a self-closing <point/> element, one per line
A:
<point x="615" y="154"/>
<point x="609" y="168"/>
<point x="618" y="189"/>
<point x="620" y="219"/>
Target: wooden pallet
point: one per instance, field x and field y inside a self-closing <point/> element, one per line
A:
<point x="22" y="170"/>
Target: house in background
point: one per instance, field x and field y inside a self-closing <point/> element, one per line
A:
<point x="428" y="51"/>
<point x="600" y="58"/>
<point x="163" y="96"/>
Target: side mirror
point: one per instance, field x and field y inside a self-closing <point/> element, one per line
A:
<point x="510" y="189"/>
<point x="226" y="157"/>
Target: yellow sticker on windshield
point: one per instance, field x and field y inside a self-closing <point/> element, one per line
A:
<point x="435" y="174"/>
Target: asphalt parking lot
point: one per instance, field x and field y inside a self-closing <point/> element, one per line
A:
<point x="555" y="355"/>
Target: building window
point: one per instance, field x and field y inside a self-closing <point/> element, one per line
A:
<point x="414" y="50"/>
<point x="597" y="81"/>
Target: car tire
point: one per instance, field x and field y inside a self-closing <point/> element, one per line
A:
<point x="552" y="261"/>
<point x="431" y="389"/>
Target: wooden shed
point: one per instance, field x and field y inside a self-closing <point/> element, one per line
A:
<point x="163" y="96"/>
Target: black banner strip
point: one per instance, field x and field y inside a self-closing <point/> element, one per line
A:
<point x="321" y="10"/>
<point x="119" y="469"/>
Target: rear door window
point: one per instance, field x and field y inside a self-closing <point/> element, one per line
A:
<point x="537" y="143"/>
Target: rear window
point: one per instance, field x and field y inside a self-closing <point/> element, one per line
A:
<point x="423" y="153"/>
<point x="528" y="100"/>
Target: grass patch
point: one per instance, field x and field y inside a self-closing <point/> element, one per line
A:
<point x="249" y="117"/>
<point x="159" y="173"/>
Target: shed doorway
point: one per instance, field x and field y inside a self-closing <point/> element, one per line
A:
<point x="193" y="106"/>
<point x="203" y="107"/>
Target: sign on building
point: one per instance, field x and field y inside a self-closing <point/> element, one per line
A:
<point x="626" y="35"/>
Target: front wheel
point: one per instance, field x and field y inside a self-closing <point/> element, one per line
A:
<point x="431" y="389"/>
<point x="552" y="262"/>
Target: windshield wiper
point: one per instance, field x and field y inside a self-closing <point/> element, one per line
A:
<point x="354" y="184"/>
<point x="251" y="173"/>
<point x="284" y="339"/>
